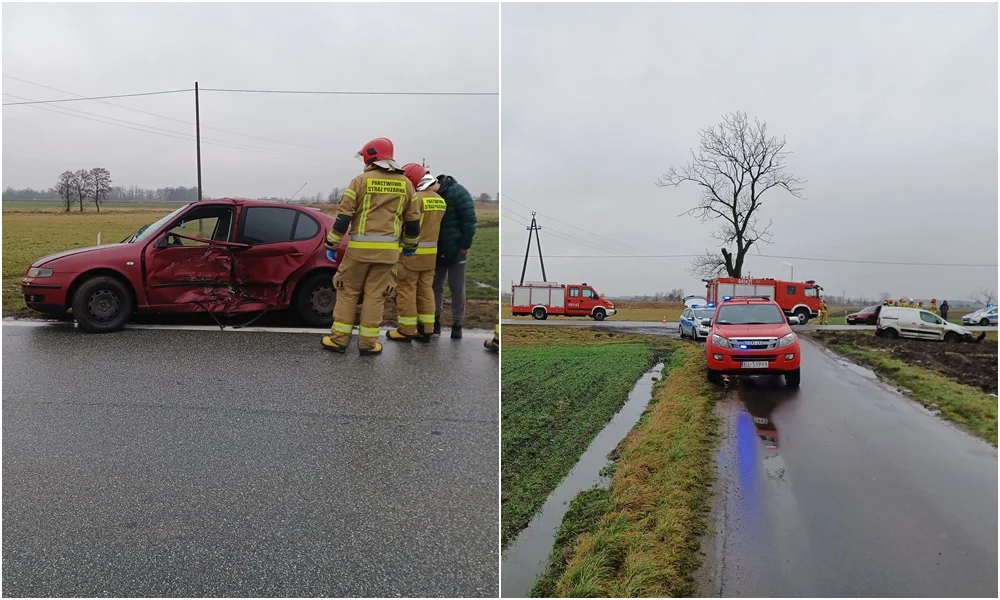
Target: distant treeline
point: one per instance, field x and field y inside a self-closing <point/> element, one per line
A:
<point x="114" y="194"/>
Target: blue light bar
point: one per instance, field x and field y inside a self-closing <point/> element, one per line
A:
<point x="710" y="305"/>
<point x="725" y="298"/>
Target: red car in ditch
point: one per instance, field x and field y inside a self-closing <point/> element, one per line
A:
<point x="224" y="257"/>
<point x="752" y="336"/>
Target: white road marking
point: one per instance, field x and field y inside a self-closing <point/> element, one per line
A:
<point x="476" y="334"/>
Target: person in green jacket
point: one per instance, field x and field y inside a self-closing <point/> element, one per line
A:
<point x="457" y="230"/>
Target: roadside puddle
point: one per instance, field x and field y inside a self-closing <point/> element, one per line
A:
<point x="526" y="557"/>
<point x="862" y="371"/>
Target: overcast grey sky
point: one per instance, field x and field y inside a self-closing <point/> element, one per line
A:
<point x="100" y="49"/>
<point x="890" y="110"/>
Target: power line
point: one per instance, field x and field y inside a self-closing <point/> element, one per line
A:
<point x="350" y="93"/>
<point x="164" y="132"/>
<point x="567" y="237"/>
<point x="263" y="139"/>
<point x="574" y="226"/>
<point x="803" y="258"/>
<point x="98" y="97"/>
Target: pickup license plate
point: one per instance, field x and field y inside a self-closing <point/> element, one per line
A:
<point x="755" y="364"/>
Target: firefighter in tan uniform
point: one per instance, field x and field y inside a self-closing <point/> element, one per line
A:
<point x="380" y="208"/>
<point x="823" y="314"/>
<point x="414" y="290"/>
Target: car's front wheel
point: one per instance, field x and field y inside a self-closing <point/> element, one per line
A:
<point x="599" y="314"/>
<point x="316" y="299"/>
<point x="984" y="322"/>
<point x="793" y="378"/>
<point x="102" y="304"/>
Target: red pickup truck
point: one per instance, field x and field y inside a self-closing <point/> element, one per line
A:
<point x="752" y="336"/>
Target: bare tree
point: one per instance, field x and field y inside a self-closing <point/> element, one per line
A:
<point x="984" y="296"/>
<point x="335" y="195"/>
<point x="484" y="197"/>
<point x="100" y="182"/>
<point x="64" y="185"/>
<point x="736" y="163"/>
<point x="82" y="186"/>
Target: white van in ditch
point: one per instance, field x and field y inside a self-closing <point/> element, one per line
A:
<point x="895" y="322"/>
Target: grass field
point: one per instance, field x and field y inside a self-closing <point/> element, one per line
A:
<point x="31" y="234"/>
<point x="641" y="537"/>
<point x="627" y="311"/>
<point x="559" y="389"/>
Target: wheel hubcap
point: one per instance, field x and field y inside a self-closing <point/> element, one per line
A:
<point x="322" y="300"/>
<point x="104" y="305"/>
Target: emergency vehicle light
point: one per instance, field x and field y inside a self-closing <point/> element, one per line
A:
<point x="710" y="305"/>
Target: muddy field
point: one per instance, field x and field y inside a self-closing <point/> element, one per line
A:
<point x="971" y="364"/>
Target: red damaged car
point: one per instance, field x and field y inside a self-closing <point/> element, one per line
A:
<point x="223" y="256"/>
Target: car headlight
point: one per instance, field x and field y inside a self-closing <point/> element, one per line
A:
<point x="786" y="340"/>
<point x="39" y="272"/>
<point x="720" y="341"/>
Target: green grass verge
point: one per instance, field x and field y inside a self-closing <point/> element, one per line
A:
<point x="555" y="398"/>
<point x="641" y="538"/>
<point x="971" y="408"/>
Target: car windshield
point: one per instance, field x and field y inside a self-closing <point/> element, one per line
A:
<point x="143" y="234"/>
<point x="704" y="313"/>
<point x="750" y="314"/>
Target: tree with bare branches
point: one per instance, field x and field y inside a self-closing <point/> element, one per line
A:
<point x="100" y="182"/>
<point x="81" y="186"/>
<point x="736" y="163"/>
<point x="64" y="186"/>
<point x="984" y="296"/>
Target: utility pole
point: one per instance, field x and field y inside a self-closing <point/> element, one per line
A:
<point x="533" y="228"/>
<point x="197" y="135"/>
<point x="423" y="163"/>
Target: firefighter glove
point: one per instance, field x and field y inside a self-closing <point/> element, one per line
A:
<point x="408" y="251"/>
<point x="331" y="255"/>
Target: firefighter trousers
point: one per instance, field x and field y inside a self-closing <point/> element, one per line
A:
<point x="415" y="299"/>
<point x="377" y="281"/>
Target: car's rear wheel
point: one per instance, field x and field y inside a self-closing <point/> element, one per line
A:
<point x="315" y="300"/>
<point x="102" y="304"/>
<point x="803" y="315"/>
<point x="538" y="314"/>
<point x="713" y="376"/>
<point x="951" y="337"/>
<point x="599" y="314"/>
<point x="984" y="322"/>
<point x="793" y="378"/>
<point x="890" y="334"/>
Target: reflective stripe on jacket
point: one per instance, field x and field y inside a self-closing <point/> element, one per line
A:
<point x="378" y="202"/>
<point x="432" y="211"/>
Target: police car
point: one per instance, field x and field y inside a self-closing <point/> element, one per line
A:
<point x="689" y="324"/>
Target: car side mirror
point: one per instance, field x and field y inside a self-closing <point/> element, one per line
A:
<point x="793" y="320"/>
<point x="161" y="243"/>
<point x="706" y="322"/>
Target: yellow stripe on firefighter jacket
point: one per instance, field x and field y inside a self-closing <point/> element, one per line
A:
<point x="432" y="208"/>
<point x="378" y="202"/>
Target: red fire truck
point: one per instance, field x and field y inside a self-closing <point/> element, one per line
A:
<point x="541" y="299"/>
<point x="795" y="298"/>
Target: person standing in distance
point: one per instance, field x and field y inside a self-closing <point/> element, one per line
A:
<point x="380" y="207"/>
<point x="457" y="230"/>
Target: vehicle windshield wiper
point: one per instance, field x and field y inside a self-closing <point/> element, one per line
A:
<point x="757" y="323"/>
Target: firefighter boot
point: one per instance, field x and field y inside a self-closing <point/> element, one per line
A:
<point x="378" y="285"/>
<point x="375" y="349"/>
<point x="492" y="345"/>
<point x="397" y="336"/>
<point x="329" y="344"/>
<point x="423" y="335"/>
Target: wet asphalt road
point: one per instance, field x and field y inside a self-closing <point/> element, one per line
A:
<point x="186" y="463"/>
<point x="844" y="488"/>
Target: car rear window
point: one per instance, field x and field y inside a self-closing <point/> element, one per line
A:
<point x="750" y="314"/>
<point x="306" y="228"/>
<point x="267" y="224"/>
